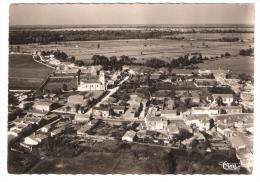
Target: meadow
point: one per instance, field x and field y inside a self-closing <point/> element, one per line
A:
<point x="25" y="73"/>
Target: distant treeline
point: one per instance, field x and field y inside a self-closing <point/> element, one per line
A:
<point x="113" y="63"/>
<point x="46" y="37"/>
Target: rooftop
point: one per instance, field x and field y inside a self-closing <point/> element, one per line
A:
<point x="155" y="118"/>
<point x="169" y="111"/>
<point x="223" y="95"/>
<point x="198" y="117"/>
<point x="130" y="134"/>
<point x="43" y="103"/>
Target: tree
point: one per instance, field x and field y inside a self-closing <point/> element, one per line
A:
<point x="72" y="59"/>
<point x="65" y="87"/>
<point x="219" y="101"/>
<point x="227" y="54"/>
<point x="223" y="111"/>
<point x="211" y="123"/>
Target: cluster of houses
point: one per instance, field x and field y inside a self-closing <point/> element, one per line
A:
<point x="159" y="114"/>
<point x="226" y="120"/>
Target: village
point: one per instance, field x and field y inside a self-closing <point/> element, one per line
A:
<point x="205" y="110"/>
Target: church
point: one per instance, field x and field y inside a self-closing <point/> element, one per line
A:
<point x="92" y="83"/>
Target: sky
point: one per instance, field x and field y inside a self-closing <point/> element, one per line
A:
<point x="85" y="14"/>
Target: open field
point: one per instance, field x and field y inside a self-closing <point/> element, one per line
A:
<point x="25" y="73"/>
<point x="141" y="49"/>
<point x="124" y="161"/>
<point x="237" y="64"/>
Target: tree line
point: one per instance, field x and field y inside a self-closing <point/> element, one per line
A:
<point x="46" y="37"/>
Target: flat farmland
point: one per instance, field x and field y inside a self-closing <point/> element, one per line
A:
<point x="139" y="48"/>
<point x="25" y="73"/>
<point x="236" y="64"/>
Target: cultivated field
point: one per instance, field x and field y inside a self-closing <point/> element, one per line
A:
<point x="25" y="73"/>
<point x="142" y="49"/>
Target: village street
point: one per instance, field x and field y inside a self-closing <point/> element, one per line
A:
<point x="111" y="92"/>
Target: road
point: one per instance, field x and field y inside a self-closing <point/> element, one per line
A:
<point x="111" y="92"/>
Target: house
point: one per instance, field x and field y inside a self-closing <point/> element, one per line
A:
<point x="141" y="134"/>
<point x="223" y="130"/>
<point x="169" y="104"/>
<point x="31" y="140"/>
<point x="118" y="109"/>
<point x="41" y="137"/>
<point x="162" y="94"/>
<point x="232" y="109"/>
<point x="200" y="120"/>
<point x="170" y="114"/>
<point x="205" y="82"/>
<point x="46" y="128"/>
<point x="35" y="139"/>
<point x="155" y="76"/>
<point x="129" y="136"/>
<point x="101" y="111"/>
<point x="231" y="120"/>
<point x="81" y="118"/>
<point x="155" y="123"/>
<point x="227" y="98"/>
<point x="204" y="72"/>
<point x="247" y="96"/>
<point x="33" y="120"/>
<point x="43" y="106"/>
<point x="204" y="110"/>
<point x="77" y="100"/>
<point x="36" y="113"/>
<point x="110" y="82"/>
<point x="57" y="131"/>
